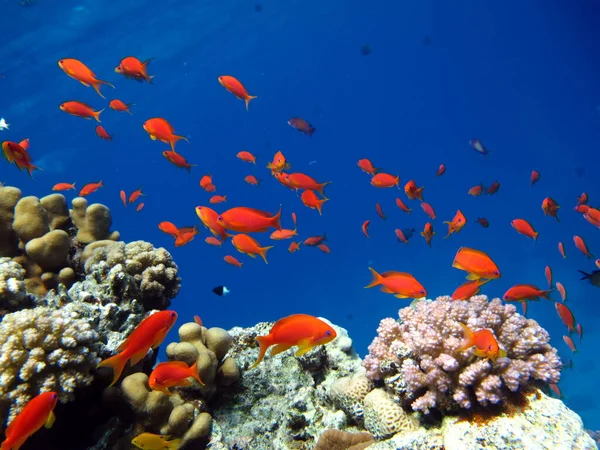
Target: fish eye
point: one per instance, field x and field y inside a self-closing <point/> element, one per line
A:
<point x="460" y="220"/>
<point x="172" y="314"/>
<point x="496" y="272"/>
<point x="328" y="333"/>
<point x="422" y="291"/>
<point x="54" y="396"/>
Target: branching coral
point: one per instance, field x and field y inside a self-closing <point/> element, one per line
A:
<point x="418" y="358"/>
<point x="12" y="285"/>
<point x="43" y="349"/>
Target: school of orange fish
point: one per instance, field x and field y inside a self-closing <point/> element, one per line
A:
<point x="237" y="223"/>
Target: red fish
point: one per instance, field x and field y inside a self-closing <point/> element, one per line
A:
<point x="367" y="166"/>
<point x="90" y="188"/>
<point x="550" y="208"/>
<point x="211" y="240"/>
<point x="148" y="334"/>
<point x="524" y="292"/>
<point x="565" y="315"/>
<point x="185" y="235"/>
<point x="314" y="241"/>
<point x="562" y="291"/>
<point x="493" y="188"/>
<point x="385" y="180"/>
<point x="251" y="179"/>
<point x="365" y="227"/>
<point x="457" y="223"/>
<point x="216" y="199"/>
<point x="294" y="246"/>
<point x="250" y="246"/>
<point x="476" y="263"/>
<point x="379" y="211"/>
<point x="486" y="344"/>
<point x="428" y="233"/>
<point x="302" y="181"/>
<point x="123" y="198"/>
<point x="118" y="105"/>
<point x="133" y="68"/>
<point x="135" y="195"/>
<point x="561" y="249"/>
<point x="301" y="125"/>
<point x="441" y="170"/>
<point x="548" y="273"/>
<point x="63" y="187"/>
<point x="412" y="191"/>
<point x="177" y="160"/>
<point x="579" y="329"/>
<point x="246" y="156"/>
<point x="523" y="227"/>
<point x="428" y="209"/>
<point x="570" y="343"/>
<point x="400" y="284"/>
<point x="279" y="163"/>
<point x="159" y="129"/>
<point x="312" y="201"/>
<point x="535" y="176"/>
<point x="170" y="374"/>
<point x="209" y="218"/>
<point x="80" y="109"/>
<point x="400" y="204"/>
<point x="580" y="244"/>
<point x="476" y="191"/>
<point x="301" y="330"/>
<point x="249" y="220"/>
<point x="139" y="207"/>
<point x="37" y="412"/>
<point x="102" y="133"/>
<point x="400" y="236"/>
<point x="279" y="235"/>
<point x="582" y="199"/>
<point x="236" y="88"/>
<point x="324" y="248"/>
<point x="233" y="261"/>
<point x="169" y="228"/>
<point x="82" y="73"/>
<point x="468" y="289"/>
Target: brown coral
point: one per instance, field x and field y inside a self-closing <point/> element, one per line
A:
<point x="343" y="440"/>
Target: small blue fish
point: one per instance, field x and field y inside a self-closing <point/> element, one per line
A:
<point x="478" y="146"/>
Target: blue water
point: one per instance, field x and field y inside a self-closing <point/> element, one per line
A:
<point x="520" y="76"/>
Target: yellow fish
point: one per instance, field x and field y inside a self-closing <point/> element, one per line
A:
<point x="150" y="441"/>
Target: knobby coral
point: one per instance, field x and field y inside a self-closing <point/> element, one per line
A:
<point x="44" y="350"/>
<point x="417" y="357"/>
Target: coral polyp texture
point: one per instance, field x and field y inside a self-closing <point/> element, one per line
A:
<point x="418" y="358"/>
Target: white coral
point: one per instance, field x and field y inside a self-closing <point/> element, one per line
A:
<point x="12" y="284"/>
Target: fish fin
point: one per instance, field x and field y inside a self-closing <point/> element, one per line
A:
<point x="480" y="353"/>
<point x="137" y="357"/>
<point x="386" y="290"/>
<point x="152" y="137"/>
<point x="321" y="187"/>
<point x="195" y="374"/>
<point x="248" y="98"/>
<point x="263" y="253"/>
<point x="468" y="338"/>
<point x="304" y="346"/>
<point x="401" y="296"/>
<point x="280" y="348"/>
<point x="264" y="343"/>
<point x="174" y="444"/>
<point x="96" y="114"/>
<point x="586" y="276"/>
<point x="159" y="337"/>
<point x="502" y="353"/>
<point x="50" y="420"/>
<point x="117" y="364"/>
<point x="472" y="277"/>
<point x="276" y="219"/>
<point x="377" y="279"/>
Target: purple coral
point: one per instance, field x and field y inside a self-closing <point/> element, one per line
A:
<point x="418" y="358"/>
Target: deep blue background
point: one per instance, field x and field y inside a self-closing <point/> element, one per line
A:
<point x="520" y="76"/>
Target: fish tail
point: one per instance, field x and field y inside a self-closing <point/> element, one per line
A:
<point x="177" y="138"/>
<point x="586" y="276"/>
<point x="377" y="279"/>
<point x="194" y="371"/>
<point x="263" y="253"/>
<point x="189" y="167"/>
<point x="311" y="131"/>
<point x="248" y="98"/>
<point x="468" y="338"/>
<point x="276" y="219"/>
<point x="96" y="114"/>
<point x="117" y="364"/>
<point x="321" y="187"/>
<point x="546" y="294"/>
<point x="174" y="444"/>
<point x="264" y="343"/>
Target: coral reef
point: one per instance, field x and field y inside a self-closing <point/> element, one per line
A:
<point x="44" y="350"/>
<point x="342" y="440"/>
<point x="417" y="357"/>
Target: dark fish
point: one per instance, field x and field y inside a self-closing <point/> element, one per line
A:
<point x="594" y="277"/>
<point x="221" y="290"/>
<point x="301" y="125"/>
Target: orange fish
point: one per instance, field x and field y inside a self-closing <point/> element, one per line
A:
<point x="90" y="188"/>
<point x="401" y="284"/>
<point x="209" y="217"/>
<point x="279" y="235"/>
<point x="301" y="330"/>
<point x="169" y="228"/>
<point x="246" y="156"/>
<point x="561" y="249"/>
<point x="428" y="209"/>
<point x="457" y="223"/>
<point x="250" y="246"/>
<point x="400" y="204"/>
<point x="139" y="207"/>
<point x="554" y="387"/>
<point x="366" y="166"/>
<point x="597" y="262"/>
<point x="302" y="181"/>
<point x="385" y="180"/>
<point x="441" y="171"/>
<point x="236" y="88"/>
<point x="535" y="176"/>
<point x="118" y="105"/>
<point x="486" y="345"/>
<point x="148" y="334"/>
<point x="79" y="109"/>
<point x="177" y="160"/>
<point x="102" y="133"/>
<point x="476" y="263"/>
<point x="310" y="200"/>
<point x="592" y="215"/>
<point x="135" y="195"/>
<point x="211" y="240"/>
<point x="582" y="199"/>
<point x="524" y="292"/>
<point x="315" y="241"/>
<point x="233" y="261"/>
<point x="428" y="233"/>
<point x="579" y="331"/>
<point x="133" y="68"/>
<point x="37" y="412"/>
<point x="550" y="208"/>
<point x="570" y="343"/>
<point x="170" y="374"/>
<point x="294" y="246"/>
<point x="123" y="198"/>
<point x="476" y="191"/>
<point x="82" y="73"/>
<point x="583" y="209"/>
<point x="523" y="227"/>
<point x="63" y="186"/>
<point x="16" y="153"/>
<point x="294" y="219"/>
<point x="379" y="211"/>
<point x="185" y="235"/>
<point x="412" y="191"/>
<point x="159" y="129"/>
<point x="324" y="248"/>
<point x="548" y="273"/>
<point x="493" y="188"/>
<point x="562" y="291"/>
<point x="205" y="181"/>
<point x="468" y="289"/>
<point x="249" y="220"/>
<point x="565" y="315"/>
<point x="279" y="163"/>
<point x="301" y="125"/>
<point x="580" y="244"/>
<point x="483" y="222"/>
<point x="251" y="179"/>
<point x="365" y="227"/>
<point x="215" y="199"/>
<point x="400" y="236"/>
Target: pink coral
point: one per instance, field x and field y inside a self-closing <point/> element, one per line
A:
<point x="417" y="357"/>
